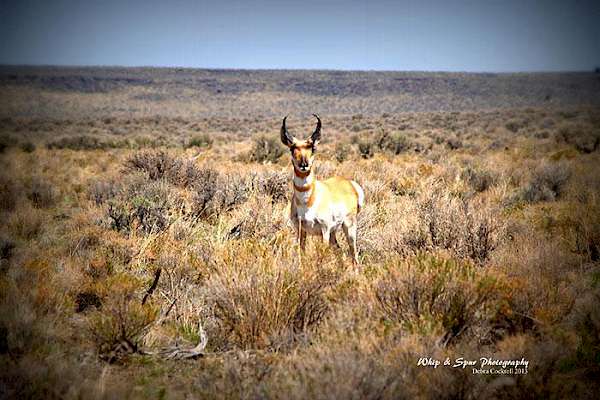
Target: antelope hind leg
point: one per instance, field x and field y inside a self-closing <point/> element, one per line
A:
<point x="350" y="230"/>
<point x="333" y="240"/>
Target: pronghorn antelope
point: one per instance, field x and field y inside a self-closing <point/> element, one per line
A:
<point x="321" y="207"/>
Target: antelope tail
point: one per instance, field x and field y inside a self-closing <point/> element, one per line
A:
<point x="360" y="194"/>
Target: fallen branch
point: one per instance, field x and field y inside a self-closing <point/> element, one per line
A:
<point x="177" y="353"/>
<point x="170" y="308"/>
<point x="152" y="288"/>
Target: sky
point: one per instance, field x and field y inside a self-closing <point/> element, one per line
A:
<point x="461" y="35"/>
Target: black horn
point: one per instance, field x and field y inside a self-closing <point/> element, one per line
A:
<point x="316" y="136"/>
<point x="286" y="138"/>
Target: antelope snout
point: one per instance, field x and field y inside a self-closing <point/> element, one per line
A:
<point x="303" y="166"/>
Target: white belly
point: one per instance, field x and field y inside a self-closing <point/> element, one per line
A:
<point x="309" y="220"/>
<point x="314" y="223"/>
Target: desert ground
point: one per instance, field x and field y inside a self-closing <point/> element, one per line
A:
<point x="144" y="214"/>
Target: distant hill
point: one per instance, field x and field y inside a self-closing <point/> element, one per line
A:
<point x="67" y="92"/>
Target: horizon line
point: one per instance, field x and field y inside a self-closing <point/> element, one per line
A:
<point x="116" y="66"/>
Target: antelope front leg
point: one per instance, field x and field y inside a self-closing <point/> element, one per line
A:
<point x="326" y="233"/>
<point x="302" y="236"/>
<point x="301" y="232"/>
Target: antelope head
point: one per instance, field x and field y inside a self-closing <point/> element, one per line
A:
<point x="303" y="151"/>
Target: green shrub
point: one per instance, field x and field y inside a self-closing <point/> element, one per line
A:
<point x="6" y="248"/>
<point x="214" y="193"/>
<point x="479" y="179"/>
<point x="585" y="138"/>
<point x="6" y="142"/>
<point x="443" y="297"/>
<point x="268" y="304"/>
<point x="9" y="193"/>
<point x="454" y="143"/>
<point x="159" y="165"/>
<point x="266" y="149"/>
<point x="41" y="193"/>
<point x="395" y="143"/>
<point x="202" y="140"/>
<point x="80" y="142"/>
<point x="148" y="206"/>
<point x="102" y="191"/>
<point x="546" y="184"/>
<point x="276" y="185"/>
<point x="119" y="326"/>
<point x="342" y="151"/>
<point x="366" y="148"/>
<point x="587" y="323"/>
<point x="28" y="147"/>
<point x="155" y="164"/>
<point x="514" y="125"/>
<point x="466" y="229"/>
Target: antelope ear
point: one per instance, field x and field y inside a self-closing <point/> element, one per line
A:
<point x="315" y="138"/>
<point x="286" y="138"/>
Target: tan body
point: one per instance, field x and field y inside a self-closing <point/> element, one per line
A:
<point x="321" y="207"/>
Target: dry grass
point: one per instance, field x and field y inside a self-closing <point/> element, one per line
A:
<point x="271" y="305"/>
<point x="440" y="298"/>
<point x="480" y="237"/>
